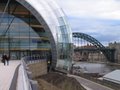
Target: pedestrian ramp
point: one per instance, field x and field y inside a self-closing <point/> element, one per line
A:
<point x="7" y="74"/>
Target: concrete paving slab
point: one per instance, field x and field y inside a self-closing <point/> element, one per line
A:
<point x="90" y="84"/>
<point x="7" y="73"/>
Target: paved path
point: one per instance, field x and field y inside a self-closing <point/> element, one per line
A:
<point x="7" y="73"/>
<point x="89" y="85"/>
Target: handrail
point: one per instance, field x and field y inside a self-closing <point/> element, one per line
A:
<point x="28" y="83"/>
<point x="33" y="59"/>
<point x="26" y="80"/>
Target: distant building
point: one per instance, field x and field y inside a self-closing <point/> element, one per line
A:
<point x="88" y="55"/>
<point x="97" y="56"/>
<point x="116" y="45"/>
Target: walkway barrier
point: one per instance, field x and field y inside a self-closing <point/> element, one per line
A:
<point x="14" y="80"/>
<point x="28" y="83"/>
<point x="33" y="59"/>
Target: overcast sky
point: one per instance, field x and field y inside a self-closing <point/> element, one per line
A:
<point x="98" y="18"/>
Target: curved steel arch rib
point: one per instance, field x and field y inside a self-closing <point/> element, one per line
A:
<point x="89" y="39"/>
<point x="109" y="53"/>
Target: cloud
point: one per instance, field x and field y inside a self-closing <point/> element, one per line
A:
<point x="108" y="9"/>
<point x="103" y="30"/>
<point x="98" y="18"/>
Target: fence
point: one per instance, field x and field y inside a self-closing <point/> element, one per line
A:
<point x="33" y="59"/>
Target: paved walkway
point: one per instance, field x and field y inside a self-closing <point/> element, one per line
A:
<point x="89" y="85"/>
<point x="7" y="73"/>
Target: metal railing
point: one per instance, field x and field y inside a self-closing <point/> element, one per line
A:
<point x="33" y="59"/>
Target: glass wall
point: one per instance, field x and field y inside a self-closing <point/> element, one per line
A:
<point x="49" y="14"/>
<point x="51" y="17"/>
<point x="20" y="39"/>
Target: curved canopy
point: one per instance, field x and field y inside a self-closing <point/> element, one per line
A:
<point x="51" y="16"/>
<point x="53" y="21"/>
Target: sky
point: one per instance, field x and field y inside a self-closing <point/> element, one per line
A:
<point x="98" y="18"/>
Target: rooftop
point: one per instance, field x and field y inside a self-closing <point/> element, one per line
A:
<point x="113" y="76"/>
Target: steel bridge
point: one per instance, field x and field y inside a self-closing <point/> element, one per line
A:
<point x="108" y="53"/>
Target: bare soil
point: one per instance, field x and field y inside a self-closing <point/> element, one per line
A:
<point x="56" y="81"/>
<point x="52" y="80"/>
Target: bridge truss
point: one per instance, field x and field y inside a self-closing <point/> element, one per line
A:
<point x="108" y="53"/>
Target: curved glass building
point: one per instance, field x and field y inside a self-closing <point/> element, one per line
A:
<point x="35" y="27"/>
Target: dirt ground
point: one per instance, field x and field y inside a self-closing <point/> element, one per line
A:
<point x="56" y="81"/>
<point x="52" y="80"/>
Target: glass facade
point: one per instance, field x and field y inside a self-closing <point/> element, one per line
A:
<point x="20" y="39"/>
<point x="53" y="31"/>
<point x="55" y="19"/>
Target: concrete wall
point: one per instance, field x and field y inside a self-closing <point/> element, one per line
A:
<point x="38" y="69"/>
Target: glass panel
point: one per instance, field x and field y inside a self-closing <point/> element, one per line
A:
<point x="56" y="20"/>
<point x="20" y="39"/>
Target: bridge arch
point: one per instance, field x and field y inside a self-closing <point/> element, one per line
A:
<point x="109" y="53"/>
